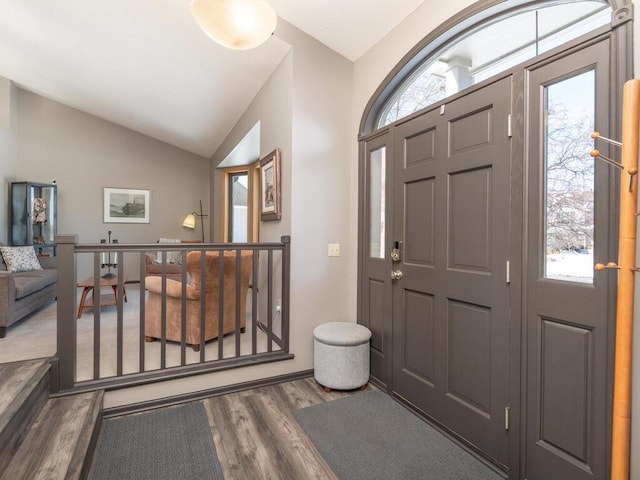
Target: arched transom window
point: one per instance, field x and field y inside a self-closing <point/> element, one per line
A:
<point x="491" y="48"/>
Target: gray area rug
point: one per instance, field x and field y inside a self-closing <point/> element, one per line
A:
<point x="169" y="443"/>
<point x="371" y="436"/>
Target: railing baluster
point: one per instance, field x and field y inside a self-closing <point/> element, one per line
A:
<point x="97" y="342"/>
<point x="237" y="298"/>
<point x="141" y="342"/>
<point x="119" y="297"/>
<point x="270" y="301"/>
<point x="221" y="288"/>
<point x="183" y="311"/>
<point x="286" y="290"/>
<point x="163" y="313"/>
<point x="254" y="303"/>
<point x="203" y="302"/>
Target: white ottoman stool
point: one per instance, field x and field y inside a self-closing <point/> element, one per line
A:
<point x="341" y="355"/>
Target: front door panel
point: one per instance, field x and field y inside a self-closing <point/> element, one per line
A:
<point x="451" y="306"/>
<point x="569" y="225"/>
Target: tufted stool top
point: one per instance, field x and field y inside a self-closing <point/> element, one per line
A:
<point x="342" y="333"/>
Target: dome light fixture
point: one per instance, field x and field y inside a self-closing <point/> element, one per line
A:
<point x="235" y="24"/>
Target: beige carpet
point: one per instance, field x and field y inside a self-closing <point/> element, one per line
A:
<point x="35" y="337"/>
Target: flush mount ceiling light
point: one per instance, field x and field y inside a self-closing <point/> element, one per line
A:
<point x="236" y="24"/>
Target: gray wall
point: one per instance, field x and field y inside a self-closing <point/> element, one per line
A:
<point x="321" y="290"/>
<point x="305" y="110"/>
<point x="272" y="108"/>
<point x="8" y="148"/>
<point x="84" y="153"/>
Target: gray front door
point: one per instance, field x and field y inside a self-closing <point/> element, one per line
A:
<point x="570" y="225"/>
<point x="451" y="184"/>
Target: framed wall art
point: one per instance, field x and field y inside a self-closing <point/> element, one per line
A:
<point x="126" y="205"/>
<point x="270" y="208"/>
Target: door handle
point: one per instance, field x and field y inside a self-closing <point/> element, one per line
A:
<point x="396" y="274"/>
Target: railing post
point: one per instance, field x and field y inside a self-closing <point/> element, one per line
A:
<point x="286" y="284"/>
<point x="66" y="291"/>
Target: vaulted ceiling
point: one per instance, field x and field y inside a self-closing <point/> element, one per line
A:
<point x="147" y="66"/>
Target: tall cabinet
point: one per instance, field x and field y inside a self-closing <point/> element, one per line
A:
<point x="34" y="219"/>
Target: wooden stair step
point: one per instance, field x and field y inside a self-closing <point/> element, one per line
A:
<point x="60" y="443"/>
<point x="24" y="390"/>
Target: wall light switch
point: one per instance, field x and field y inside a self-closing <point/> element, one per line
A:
<point x="334" y="249"/>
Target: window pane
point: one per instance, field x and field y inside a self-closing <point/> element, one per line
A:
<point x="238" y="207"/>
<point x="48" y="226"/>
<point x="377" y="173"/>
<point x="569" y="178"/>
<point x="425" y="88"/>
<point x="491" y="48"/>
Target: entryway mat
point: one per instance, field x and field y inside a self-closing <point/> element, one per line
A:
<point x="371" y="436"/>
<point x="168" y="443"/>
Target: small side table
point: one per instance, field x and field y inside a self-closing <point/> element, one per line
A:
<point x="104" y="300"/>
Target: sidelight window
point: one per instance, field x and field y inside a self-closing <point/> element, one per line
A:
<point x="569" y="112"/>
<point x="377" y="184"/>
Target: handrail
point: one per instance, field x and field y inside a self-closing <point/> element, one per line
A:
<point x="265" y="345"/>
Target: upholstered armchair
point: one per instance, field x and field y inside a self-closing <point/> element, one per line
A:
<point x="153" y="308"/>
<point x="153" y="261"/>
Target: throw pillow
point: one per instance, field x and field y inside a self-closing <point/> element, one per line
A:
<point x="172" y="257"/>
<point x="20" y="259"/>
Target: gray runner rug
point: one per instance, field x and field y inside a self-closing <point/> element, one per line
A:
<point x="371" y="436"/>
<point x="168" y="443"/>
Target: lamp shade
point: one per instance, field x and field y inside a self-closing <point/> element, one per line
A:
<point x="235" y="24"/>
<point x="189" y="221"/>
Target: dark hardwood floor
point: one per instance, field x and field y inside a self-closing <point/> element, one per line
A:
<point x="257" y="437"/>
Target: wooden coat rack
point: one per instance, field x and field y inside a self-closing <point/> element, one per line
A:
<point x="626" y="266"/>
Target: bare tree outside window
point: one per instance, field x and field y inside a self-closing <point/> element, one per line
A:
<point x="570" y="179"/>
<point x="426" y="89"/>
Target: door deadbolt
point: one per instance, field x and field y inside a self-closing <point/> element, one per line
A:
<point x="395" y="251"/>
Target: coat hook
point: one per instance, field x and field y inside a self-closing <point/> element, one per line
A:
<point x="632" y="173"/>
<point x="596" y="135"/>
<point x="597" y="154"/>
<point x="611" y="265"/>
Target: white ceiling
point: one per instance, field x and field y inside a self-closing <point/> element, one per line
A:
<point x="147" y="66"/>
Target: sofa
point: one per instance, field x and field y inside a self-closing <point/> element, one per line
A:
<point x="173" y="299"/>
<point x="21" y="293"/>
